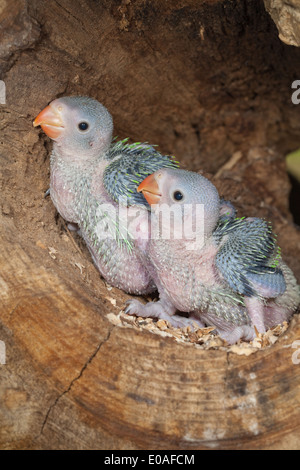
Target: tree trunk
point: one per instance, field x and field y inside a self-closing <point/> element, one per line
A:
<point x="211" y="83"/>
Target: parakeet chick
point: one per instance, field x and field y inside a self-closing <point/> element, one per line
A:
<point x="225" y="272"/>
<point x="89" y="174"/>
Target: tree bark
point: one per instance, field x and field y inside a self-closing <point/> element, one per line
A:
<point x="204" y="80"/>
<point x="286" y="17"/>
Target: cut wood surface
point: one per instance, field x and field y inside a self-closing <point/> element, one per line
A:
<point x="193" y="77"/>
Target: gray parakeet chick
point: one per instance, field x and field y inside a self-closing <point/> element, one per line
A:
<point x="225" y="272"/>
<point x="89" y="173"/>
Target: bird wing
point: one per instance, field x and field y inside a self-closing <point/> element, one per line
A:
<point x="131" y="164"/>
<point x="248" y="257"/>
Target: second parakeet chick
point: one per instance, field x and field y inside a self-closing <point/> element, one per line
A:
<point x="225" y="272"/>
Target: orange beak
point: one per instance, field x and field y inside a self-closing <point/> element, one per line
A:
<point x="150" y="189"/>
<point x="50" y="121"/>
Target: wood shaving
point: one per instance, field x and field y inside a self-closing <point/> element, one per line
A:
<point x="233" y="160"/>
<point x="112" y="301"/>
<point x="41" y="245"/>
<point x="242" y="349"/>
<point x="72" y="239"/>
<point x="52" y="252"/>
<point x="161" y="324"/>
<point x="203" y="338"/>
<point x="79" y="266"/>
<point x="114" y="319"/>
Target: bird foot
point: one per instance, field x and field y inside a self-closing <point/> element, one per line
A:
<point x="244" y="332"/>
<point x="74" y="228"/>
<point x="255" y="310"/>
<point x="158" y="310"/>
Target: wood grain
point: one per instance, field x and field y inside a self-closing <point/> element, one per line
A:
<point x="84" y="383"/>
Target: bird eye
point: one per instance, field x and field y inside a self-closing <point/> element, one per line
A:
<point x="83" y="126"/>
<point x="177" y="196"/>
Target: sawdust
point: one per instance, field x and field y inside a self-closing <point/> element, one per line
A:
<point x="202" y="338"/>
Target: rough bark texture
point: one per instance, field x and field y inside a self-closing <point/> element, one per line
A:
<point x="204" y="80"/>
<point x="286" y="15"/>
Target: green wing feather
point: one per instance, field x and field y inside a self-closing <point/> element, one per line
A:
<point x="248" y="257"/>
<point x="131" y="164"/>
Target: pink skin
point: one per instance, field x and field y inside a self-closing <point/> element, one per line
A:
<point x="130" y="266"/>
<point x="132" y="277"/>
<point x="175" y="293"/>
<point x="255" y="309"/>
<point x="62" y="194"/>
<point x="182" y="275"/>
<point x="74" y="159"/>
<point x="203" y="270"/>
<point x="174" y="297"/>
<point x="263" y="313"/>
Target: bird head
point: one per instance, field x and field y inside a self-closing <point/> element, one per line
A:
<point x="186" y="191"/>
<point x="80" y="126"/>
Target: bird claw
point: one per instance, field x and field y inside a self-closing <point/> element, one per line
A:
<point x="158" y="310"/>
<point x="135" y="307"/>
<point x="178" y="321"/>
<point x="244" y="332"/>
<point x="151" y="309"/>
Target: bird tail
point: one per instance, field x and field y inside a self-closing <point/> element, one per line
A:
<point x="282" y="307"/>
